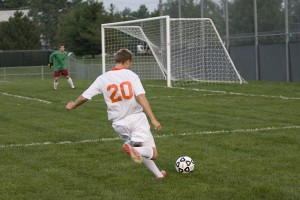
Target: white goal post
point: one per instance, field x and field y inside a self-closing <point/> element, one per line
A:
<point x="182" y="51"/>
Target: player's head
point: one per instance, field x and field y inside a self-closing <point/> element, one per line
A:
<point x="123" y="56"/>
<point x="61" y="47"/>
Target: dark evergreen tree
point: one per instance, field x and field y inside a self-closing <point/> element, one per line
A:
<point x="13" y="4"/>
<point x="270" y="20"/>
<point x="80" y="29"/>
<point x="141" y="13"/>
<point x="19" y="33"/>
<point x="47" y="13"/>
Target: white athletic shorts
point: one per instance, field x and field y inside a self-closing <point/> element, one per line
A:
<point x="134" y="129"/>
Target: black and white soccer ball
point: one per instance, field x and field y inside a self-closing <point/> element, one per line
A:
<point x="184" y="164"/>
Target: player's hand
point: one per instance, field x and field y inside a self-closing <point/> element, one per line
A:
<point x="70" y="105"/>
<point x="50" y="65"/>
<point x="156" y="125"/>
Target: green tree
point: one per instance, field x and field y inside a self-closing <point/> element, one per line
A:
<point x="47" y="14"/>
<point x="294" y="12"/>
<point x="114" y="14"/>
<point x="141" y="13"/>
<point x="188" y="9"/>
<point x="19" y="33"/>
<point x="192" y="9"/>
<point x="13" y="4"/>
<point x="80" y="29"/>
<point x="269" y="14"/>
<point x="155" y="13"/>
<point x="270" y="20"/>
<point x="126" y="12"/>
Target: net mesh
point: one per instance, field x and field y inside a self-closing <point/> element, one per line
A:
<point x="197" y="54"/>
<point x="144" y="40"/>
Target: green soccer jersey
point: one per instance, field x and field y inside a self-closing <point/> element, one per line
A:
<point x="58" y="60"/>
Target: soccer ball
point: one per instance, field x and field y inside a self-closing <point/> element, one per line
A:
<point x="184" y="164"/>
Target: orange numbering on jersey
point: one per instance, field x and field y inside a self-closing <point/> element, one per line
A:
<point x="126" y="91"/>
<point x="115" y="89"/>
<point x="129" y="89"/>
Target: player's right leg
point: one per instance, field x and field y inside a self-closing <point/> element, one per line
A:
<point x="70" y="82"/>
<point x="164" y="173"/>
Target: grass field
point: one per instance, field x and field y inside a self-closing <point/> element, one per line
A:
<point x="244" y="140"/>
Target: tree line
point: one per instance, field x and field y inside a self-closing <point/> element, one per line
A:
<point x="77" y="23"/>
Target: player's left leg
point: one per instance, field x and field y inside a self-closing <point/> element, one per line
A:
<point x="149" y="155"/>
<point x="70" y="82"/>
<point x="150" y="164"/>
<point x="65" y="73"/>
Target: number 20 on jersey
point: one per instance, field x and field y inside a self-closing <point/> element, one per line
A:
<point x="126" y="91"/>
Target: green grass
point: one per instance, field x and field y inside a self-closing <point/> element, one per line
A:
<point x="244" y="140"/>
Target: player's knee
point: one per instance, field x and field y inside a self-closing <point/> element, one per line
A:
<point x="135" y="144"/>
<point x="155" y="154"/>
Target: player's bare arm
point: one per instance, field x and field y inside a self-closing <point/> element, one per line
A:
<point x="146" y="106"/>
<point x="72" y="105"/>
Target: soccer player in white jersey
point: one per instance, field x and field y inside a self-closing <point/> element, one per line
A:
<point x="125" y="98"/>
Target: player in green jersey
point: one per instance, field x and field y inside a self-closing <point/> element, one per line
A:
<point x="57" y="61"/>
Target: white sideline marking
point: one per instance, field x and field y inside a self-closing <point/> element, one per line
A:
<point x="63" y="142"/>
<point x="233" y="93"/>
<point x="28" y="98"/>
<point x="157" y="136"/>
<point x="233" y="131"/>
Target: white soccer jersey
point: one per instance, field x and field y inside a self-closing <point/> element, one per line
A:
<point x="119" y="88"/>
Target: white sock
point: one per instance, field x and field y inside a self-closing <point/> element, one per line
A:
<point x="150" y="164"/>
<point x="70" y="82"/>
<point x="145" y="151"/>
<point x="55" y="83"/>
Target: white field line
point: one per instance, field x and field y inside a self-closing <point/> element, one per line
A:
<point x="232" y="93"/>
<point x="157" y="136"/>
<point x="23" y="97"/>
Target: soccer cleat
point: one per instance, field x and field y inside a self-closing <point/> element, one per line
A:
<point x="164" y="173"/>
<point x="134" y="154"/>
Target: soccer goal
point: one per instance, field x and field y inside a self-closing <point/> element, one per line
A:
<point x="181" y="51"/>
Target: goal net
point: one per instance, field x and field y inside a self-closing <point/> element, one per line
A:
<point x="181" y="51"/>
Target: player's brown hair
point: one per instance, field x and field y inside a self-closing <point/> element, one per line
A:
<point x="123" y="55"/>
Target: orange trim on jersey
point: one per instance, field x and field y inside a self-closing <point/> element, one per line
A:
<point x="116" y="68"/>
